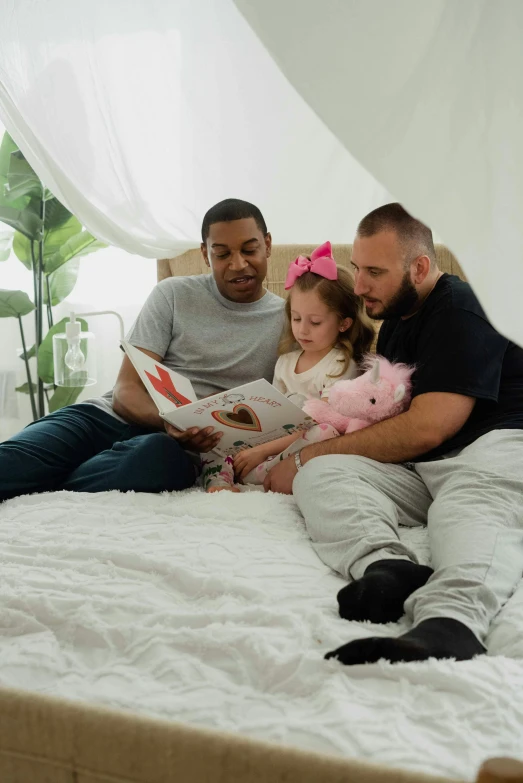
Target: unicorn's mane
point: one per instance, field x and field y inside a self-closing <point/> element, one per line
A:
<point x="394" y="373"/>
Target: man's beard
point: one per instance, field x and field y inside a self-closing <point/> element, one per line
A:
<point x="402" y="303"/>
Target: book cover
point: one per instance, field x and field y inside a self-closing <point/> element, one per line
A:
<point x="247" y="415"/>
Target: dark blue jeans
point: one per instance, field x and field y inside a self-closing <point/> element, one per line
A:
<point x="83" y="449"/>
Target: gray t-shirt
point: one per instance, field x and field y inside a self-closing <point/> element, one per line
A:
<point x="215" y="343"/>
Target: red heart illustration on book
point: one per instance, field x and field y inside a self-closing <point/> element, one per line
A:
<point x="241" y="418"/>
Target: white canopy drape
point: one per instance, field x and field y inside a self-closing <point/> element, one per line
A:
<point x="429" y="97"/>
<point x="140" y="114"/>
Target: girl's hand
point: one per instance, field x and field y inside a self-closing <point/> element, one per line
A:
<point x="248" y="459"/>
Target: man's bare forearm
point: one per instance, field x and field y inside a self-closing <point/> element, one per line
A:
<point x="135" y="405"/>
<point x="395" y="440"/>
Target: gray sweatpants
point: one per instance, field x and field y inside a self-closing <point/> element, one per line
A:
<point x="471" y="501"/>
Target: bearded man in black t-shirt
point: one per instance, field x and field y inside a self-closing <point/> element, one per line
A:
<point x="453" y="461"/>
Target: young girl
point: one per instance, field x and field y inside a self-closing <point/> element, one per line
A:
<point x="326" y="334"/>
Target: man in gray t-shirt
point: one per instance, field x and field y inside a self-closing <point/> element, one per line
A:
<point x="219" y="330"/>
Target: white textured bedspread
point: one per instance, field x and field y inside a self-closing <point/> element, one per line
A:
<point x="214" y="610"/>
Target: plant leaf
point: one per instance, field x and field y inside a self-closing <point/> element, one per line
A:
<point x="22" y="220"/>
<point x="22" y="180"/>
<point x="30" y="353"/>
<point x="64" y="395"/>
<point x="22" y="249"/>
<point x="7" y="147"/>
<point x="20" y="213"/>
<point x="55" y="213"/>
<point x="61" y="244"/>
<point x="6" y="238"/>
<point x="24" y="389"/>
<point x="62" y="282"/>
<point x="45" y="352"/>
<point x="81" y="244"/>
<point x="14" y="303"/>
<point x="54" y="238"/>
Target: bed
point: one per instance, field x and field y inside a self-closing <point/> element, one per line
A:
<point x="181" y="637"/>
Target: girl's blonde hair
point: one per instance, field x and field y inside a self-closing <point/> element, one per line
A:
<point x="340" y="298"/>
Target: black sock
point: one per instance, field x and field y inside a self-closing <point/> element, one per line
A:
<point x="381" y="592"/>
<point x="439" y="637"/>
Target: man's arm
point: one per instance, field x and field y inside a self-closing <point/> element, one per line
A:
<point x="132" y="402"/>
<point x="431" y="419"/>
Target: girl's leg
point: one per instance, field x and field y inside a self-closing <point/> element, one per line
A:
<point x="314" y="435"/>
<point x="217" y="473"/>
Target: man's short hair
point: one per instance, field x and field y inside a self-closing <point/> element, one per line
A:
<point x="413" y="235"/>
<point x="232" y="209"/>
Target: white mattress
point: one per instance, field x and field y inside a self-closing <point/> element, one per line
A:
<point x="214" y="610"/>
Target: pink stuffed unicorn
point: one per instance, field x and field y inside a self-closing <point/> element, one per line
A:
<point x="383" y="391"/>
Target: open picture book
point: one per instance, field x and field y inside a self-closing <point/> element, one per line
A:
<point x="247" y="415"/>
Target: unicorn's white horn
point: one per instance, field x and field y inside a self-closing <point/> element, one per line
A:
<point x="375" y="372"/>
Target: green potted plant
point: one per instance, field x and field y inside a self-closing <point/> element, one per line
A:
<point x="49" y="240"/>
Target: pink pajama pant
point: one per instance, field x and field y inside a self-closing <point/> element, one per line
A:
<point x="219" y="472"/>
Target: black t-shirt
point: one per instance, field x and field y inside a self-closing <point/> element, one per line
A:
<point x="455" y="349"/>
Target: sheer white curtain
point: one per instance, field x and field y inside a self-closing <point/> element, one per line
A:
<point x="429" y="97"/>
<point x="140" y="115"/>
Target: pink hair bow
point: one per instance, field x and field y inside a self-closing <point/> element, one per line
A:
<point x="321" y="263"/>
